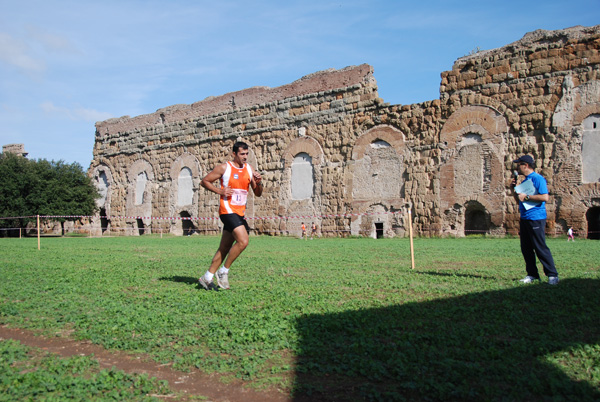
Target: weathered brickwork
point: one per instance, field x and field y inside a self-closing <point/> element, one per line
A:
<point x="448" y="160"/>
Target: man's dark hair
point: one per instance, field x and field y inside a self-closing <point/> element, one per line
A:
<point x="238" y="145"/>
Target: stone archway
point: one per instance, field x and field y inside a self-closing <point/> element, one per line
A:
<point x="140" y="192"/>
<point x="476" y="219"/>
<point x="593" y="222"/>
<point x="187" y="225"/>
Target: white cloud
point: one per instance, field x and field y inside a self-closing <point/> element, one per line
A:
<point x="78" y="113"/>
<point x="17" y="53"/>
<point x="51" y="42"/>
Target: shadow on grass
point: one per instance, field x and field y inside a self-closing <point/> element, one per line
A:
<point x="495" y="346"/>
<point x="180" y="279"/>
<point x="453" y="273"/>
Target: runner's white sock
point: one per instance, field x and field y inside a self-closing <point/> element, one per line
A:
<point x="224" y="270"/>
<point x="208" y="276"/>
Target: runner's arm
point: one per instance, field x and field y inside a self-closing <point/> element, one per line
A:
<point x="214" y="175"/>
<point x="256" y="183"/>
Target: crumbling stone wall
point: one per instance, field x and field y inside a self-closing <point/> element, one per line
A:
<point x="542" y="87"/>
<point x="17" y="149"/>
<point x="448" y="160"/>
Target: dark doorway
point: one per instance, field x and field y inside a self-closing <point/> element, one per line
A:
<point x="103" y="220"/>
<point x="141" y="228"/>
<point x="593" y="221"/>
<point x="476" y="221"/>
<point x="186" y="224"/>
<point x="379" y="230"/>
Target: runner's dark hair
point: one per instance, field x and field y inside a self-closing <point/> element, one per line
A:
<point x="238" y="145"/>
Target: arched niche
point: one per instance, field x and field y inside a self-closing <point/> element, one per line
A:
<point x="185" y="175"/>
<point x="378" y="165"/>
<point x="590" y="149"/>
<point x="303" y="178"/>
<point x="472" y="165"/>
<point x="307" y="145"/>
<point x="140" y="190"/>
<point x="302" y="160"/>
<point x="477" y="220"/>
<point x="482" y="120"/>
<point x="101" y="174"/>
<point x="102" y="177"/>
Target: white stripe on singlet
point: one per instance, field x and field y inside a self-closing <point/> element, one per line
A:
<point x="224" y="183"/>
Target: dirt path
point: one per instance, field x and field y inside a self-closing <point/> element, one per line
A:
<point x="192" y="383"/>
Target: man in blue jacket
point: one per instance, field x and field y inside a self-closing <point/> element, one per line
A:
<point x="532" y="195"/>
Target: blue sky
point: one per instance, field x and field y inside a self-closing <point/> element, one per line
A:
<point x="66" y="64"/>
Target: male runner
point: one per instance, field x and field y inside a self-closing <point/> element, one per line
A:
<point x="235" y="178"/>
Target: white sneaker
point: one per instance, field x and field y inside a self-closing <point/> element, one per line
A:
<point x="207" y="285"/>
<point x="529" y="279"/>
<point x="553" y="280"/>
<point x="223" y="279"/>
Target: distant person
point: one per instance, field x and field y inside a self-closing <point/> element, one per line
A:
<point x="313" y="230"/>
<point x="303" y="236"/>
<point x="235" y="178"/>
<point x="532" y="195"/>
<point x="570" y="234"/>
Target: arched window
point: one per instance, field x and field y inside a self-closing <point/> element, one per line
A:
<point x="140" y="187"/>
<point x="102" y="185"/>
<point x="590" y="149"/>
<point x="473" y="172"/>
<point x="378" y="173"/>
<point x="302" y="177"/>
<point x="377" y="144"/>
<point x="185" y="188"/>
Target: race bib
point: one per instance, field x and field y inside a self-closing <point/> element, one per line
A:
<point x="239" y="197"/>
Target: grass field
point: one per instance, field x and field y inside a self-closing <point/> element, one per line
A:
<point x="31" y="374"/>
<point x="336" y="319"/>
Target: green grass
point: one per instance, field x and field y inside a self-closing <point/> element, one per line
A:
<point x="335" y="317"/>
<point x="32" y="374"/>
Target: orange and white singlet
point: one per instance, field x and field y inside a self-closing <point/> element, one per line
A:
<point x="239" y="180"/>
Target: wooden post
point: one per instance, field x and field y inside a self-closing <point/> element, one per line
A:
<point x="412" y="249"/>
<point x="38" y="230"/>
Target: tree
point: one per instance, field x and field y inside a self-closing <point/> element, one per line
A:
<point x="29" y="188"/>
<point x="13" y="190"/>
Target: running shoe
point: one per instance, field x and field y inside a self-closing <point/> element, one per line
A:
<point x="207" y="285"/>
<point x="223" y="279"/>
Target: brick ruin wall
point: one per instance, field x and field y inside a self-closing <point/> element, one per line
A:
<point x="447" y="161"/>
